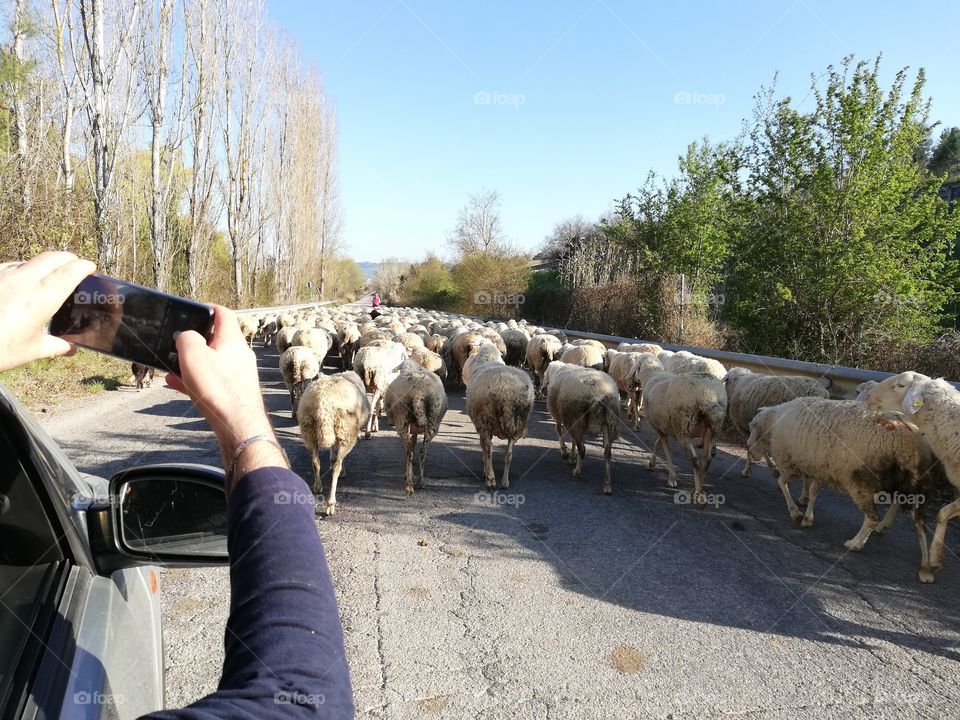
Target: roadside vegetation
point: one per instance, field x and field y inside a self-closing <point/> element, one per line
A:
<point x="818" y="234"/>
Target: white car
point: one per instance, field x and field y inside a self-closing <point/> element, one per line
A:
<point x="79" y="602"/>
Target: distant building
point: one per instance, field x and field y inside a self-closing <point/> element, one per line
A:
<point x="950" y="191"/>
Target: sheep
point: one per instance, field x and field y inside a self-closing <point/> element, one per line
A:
<point x="587" y="403"/>
<point x="415" y="402"/>
<point x="461" y="348"/>
<point x="437" y="343"/>
<point x="410" y="341"/>
<point x="268" y="332"/>
<point x="349" y="340"/>
<point x="515" y="341"/>
<point x="620" y="366"/>
<point x="285" y="320"/>
<point x="285" y="337"/>
<point x="686" y="406"/>
<point x="748" y="391"/>
<point x="316" y="339"/>
<point x="651" y="348"/>
<point x="377" y="368"/>
<point x="541" y="351"/>
<point x="298" y="363"/>
<point x="249" y="328"/>
<point x="933" y="407"/>
<point x="499" y="400"/>
<point x="588" y="356"/>
<point x="840" y="442"/>
<point x="333" y="411"/>
<point x="486" y="353"/>
<point x="430" y="361"/>
<point x="580" y="342"/>
<point x="683" y="362"/>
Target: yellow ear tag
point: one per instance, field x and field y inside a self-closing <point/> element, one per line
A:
<point x="912" y="401"/>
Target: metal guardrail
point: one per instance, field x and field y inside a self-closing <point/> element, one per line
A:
<point x="302" y="306"/>
<point x="843" y="380"/>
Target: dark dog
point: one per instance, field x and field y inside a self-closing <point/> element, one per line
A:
<point x="142" y="375"/>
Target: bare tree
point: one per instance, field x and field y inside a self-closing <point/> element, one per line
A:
<point x="69" y="85"/>
<point x="241" y="118"/>
<point x="166" y="134"/>
<point x="330" y="217"/>
<point x="110" y="99"/>
<point x="478" y="227"/>
<point x="201" y="70"/>
<point x="20" y="123"/>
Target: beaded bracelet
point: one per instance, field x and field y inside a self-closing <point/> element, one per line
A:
<point x="243" y="446"/>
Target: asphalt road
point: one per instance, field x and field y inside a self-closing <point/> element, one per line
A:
<point x="555" y="601"/>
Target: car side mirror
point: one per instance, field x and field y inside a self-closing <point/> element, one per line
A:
<point x="171" y="515"/>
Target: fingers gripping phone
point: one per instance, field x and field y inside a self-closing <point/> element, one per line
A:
<point x="129" y="321"/>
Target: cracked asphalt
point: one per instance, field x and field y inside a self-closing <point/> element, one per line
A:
<point x="553" y="601"/>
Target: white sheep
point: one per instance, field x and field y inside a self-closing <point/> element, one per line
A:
<point x="430" y="361"/>
<point x="316" y="339"/>
<point x="839" y="442"/>
<point x="349" y="334"/>
<point x="249" y="327"/>
<point x="587" y="403"/>
<point x="333" y="411"/>
<point x="415" y="402"/>
<point x="377" y="368"/>
<point x="486" y="353"/>
<point x="587" y="355"/>
<point x="542" y="349"/>
<point x="683" y="362"/>
<point x="620" y="366"/>
<point x="685" y="406"/>
<point x="285" y="337"/>
<point x="748" y="391"/>
<point x="298" y="363"/>
<point x="932" y="406"/>
<point x="499" y="400"/>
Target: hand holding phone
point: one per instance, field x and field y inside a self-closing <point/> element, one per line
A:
<point x="129" y="321"/>
<point x="30" y="292"/>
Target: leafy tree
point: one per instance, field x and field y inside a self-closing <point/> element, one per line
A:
<point x="430" y="284"/>
<point x="945" y="158"/>
<point x="492" y="285"/>
<point x="843" y="243"/>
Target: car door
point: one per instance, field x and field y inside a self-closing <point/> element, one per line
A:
<point x="73" y="644"/>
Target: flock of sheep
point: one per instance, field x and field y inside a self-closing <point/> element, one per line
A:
<point x="893" y="444"/>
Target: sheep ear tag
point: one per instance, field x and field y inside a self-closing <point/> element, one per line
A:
<point x="912" y="401"/>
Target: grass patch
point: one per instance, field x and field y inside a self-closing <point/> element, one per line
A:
<point x="44" y="383"/>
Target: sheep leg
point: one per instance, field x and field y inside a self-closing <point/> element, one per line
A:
<point x="293" y="402"/>
<point x="948" y="511"/>
<point x="507" y="457"/>
<point x="708" y="452"/>
<point x="486" y="449"/>
<point x="422" y="458"/>
<point x="747" y="466"/>
<point x="888" y="518"/>
<point x="784" y="483"/>
<point x="315" y="461"/>
<point x="812" y="489"/>
<point x="805" y="493"/>
<point x="863" y="497"/>
<point x="671" y="471"/>
<point x="652" y="463"/>
<point x="580" y="450"/>
<point x="607" y="451"/>
<point x="563" y="448"/>
<point x="408" y="445"/>
<point x="698" y="496"/>
<point x="336" y="465"/>
<point x="374" y="406"/>
<point x="925" y="573"/>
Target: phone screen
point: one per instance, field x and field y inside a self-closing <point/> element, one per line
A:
<point x="129" y="321"/>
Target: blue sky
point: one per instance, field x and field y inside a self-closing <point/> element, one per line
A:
<point x="565" y="106"/>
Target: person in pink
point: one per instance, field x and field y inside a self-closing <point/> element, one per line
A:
<point x="376" y="300"/>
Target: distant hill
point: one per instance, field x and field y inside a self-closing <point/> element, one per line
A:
<point x="369" y="268"/>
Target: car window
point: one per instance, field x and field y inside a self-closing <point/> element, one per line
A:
<point x="31" y="559"/>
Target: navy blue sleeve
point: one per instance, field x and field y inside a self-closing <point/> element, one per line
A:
<point x="284" y="642"/>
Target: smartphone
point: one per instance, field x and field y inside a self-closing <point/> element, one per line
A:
<point x="129" y="321"/>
